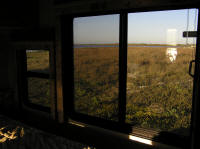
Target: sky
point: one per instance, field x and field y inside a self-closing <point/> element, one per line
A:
<point x="158" y="27"/>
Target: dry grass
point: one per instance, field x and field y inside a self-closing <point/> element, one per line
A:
<point x="159" y="92"/>
<point x="38" y="60"/>
<point x="38" y="89"/>
<point x="96" y="81"/>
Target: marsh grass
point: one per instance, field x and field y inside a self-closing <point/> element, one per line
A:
<point x="38" y="60"/>
<point x="159" y="92"/>
<point x="96" y="81"/>
<point x="38" y="88"/>
<point x="38" y="91"/>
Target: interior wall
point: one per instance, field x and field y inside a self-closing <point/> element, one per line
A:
<point x="4" y="60"/>
<point x="19" y="13"/>
<point x="46" y="13"/>
<point x="8" y="74"/>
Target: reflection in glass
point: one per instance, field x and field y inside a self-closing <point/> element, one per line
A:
<point x="39" y="91"/>
<point x="171" y="53"/>
<point x="159" y="89"/>
<point x="96" y="66"/>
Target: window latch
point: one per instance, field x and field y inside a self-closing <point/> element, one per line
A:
<point x="190" y="68"/>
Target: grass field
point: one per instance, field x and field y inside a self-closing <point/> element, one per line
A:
<point x="96" y="81"/>
<point x="38" y="88"/>
<point x="159" y="92"/>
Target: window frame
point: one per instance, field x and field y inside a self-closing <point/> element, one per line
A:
<point x="68" y="82"/>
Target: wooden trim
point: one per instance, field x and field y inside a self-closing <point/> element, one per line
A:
<point x="52" y="80"/>
<point x="59" y="70"/>
<point x="67" y="64"/>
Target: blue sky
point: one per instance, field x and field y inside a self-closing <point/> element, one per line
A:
<point x="161" y="27"/>
<point x="97" y="29"/>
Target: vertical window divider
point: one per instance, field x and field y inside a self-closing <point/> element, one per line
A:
<point x="122" y="66"/>
<point x="52" y="78"/>
<point x="195" y="120"/>
<point x="65" y="103"/>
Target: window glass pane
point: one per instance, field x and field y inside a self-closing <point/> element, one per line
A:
<point x="39" y="91"/>
<point x="38" y="88"/>
<point x="37" y="61"/>
<point x="159" y="88"/>
<point x="96" y="67"/>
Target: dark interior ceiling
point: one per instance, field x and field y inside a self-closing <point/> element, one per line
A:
<point x="19" y="13"/>
<point x="33" y="13"/>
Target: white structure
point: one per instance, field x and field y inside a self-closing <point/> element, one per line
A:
<point x="171" y="53"/>
<point x="171" y="37"/>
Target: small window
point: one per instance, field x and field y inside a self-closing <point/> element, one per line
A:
<point x="38" y="77"/>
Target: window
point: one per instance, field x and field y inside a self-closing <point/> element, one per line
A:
<point x="130" y="72"/>
<point x="38" y="82"/>
<point x="96" y="60"/>
<point x="159" y="88"/>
